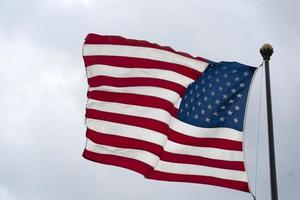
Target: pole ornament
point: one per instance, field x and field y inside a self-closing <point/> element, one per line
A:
<point x="266" y="51"/>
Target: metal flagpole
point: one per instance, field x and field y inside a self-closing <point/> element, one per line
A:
<point x="266" y="51"/>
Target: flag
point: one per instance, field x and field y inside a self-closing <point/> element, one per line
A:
<point x="165" y="114"/>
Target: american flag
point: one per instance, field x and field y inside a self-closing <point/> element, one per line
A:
<point x="165" y="114"/>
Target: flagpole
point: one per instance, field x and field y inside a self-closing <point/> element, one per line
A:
<point x="266" y="51"/>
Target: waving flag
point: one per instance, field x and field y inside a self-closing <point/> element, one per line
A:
<point x="165" y="114"/>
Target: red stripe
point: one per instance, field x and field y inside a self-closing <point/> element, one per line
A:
<point x="137" y="121"/>
<point x="199" y="160"/>
<point x="127" y="82"/>
<point x="148" y="172"/>
<point x="164" y="129"/>
<point x="205" y="142"/>
<point x="237" y="185"/>
<point x="134" y="99"/>
<point x="123" y="142"/>
<point x="129" y="62"/>
<point x="130" y="143"/>
<point x="127" y="163"/>
<point x="117" y="40"/>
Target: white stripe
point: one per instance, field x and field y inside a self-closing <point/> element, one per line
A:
<point x="195" y="131"/>
<point x="169" y="167"/>
<point x="143" y="134"/>
<point x="207" y="152"/>
<point x="131" y="110"/>
<point x="143" y="52"/>
<point x="190" y="169"/>
<point x="141" y="155"/>
<point x="125" y="130"/>
<point x="122" y="72"/>
<point x="177" y="104"/>
<point x="164" y="116"/>
<point x="169" y="95"/>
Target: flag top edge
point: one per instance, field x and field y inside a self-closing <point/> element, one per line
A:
<point x="232" y="62"/>
<point x="93" y="38"/>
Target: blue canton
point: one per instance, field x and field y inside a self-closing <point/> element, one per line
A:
<point x="218" y="98"/>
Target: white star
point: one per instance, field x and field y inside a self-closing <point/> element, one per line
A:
<point x="216" y="72"/>
<point x="231" y="101"/>
<point x="198" y="95"/>
<point x="224" y="67"/>
<point x="185" y="97"/>
<point x="234" y="71"/>
<point x="191" y="92"/>
<point x="217" y="101"/>
<point x="186" y="105"/>
<point x="199" y="103"/>
<point x="202" y="112"/>
<point x="242" y="85"/>
<point x="196" y="86"/>
<point x="212" y="93"/>
<point x="205" y="98"/>
<point x="209" y="77"/>
<point x="187" y="113"/>
<point x="196" y="116"/>
<point x="181" y="110"/>
<point x="246" y="73"/>
<point x="192" y="99"/>
<point x="229" y="112"/>
<point x="207" y="119"/>
<point x="217" y="80"/>
<point x="225" y="96"/>
<point x="228" y="83"/>
<point x="209" y="106"/>
<point x="223" y="107"/>
<point x="215" y="114"/>
<point x="225" y="75"/>
<point x="193" y="109"/>
<point x="239" y="95"/>
<point x="233" y="90"/>
<point x="236" y="107"/>
<point x="222" y="119"/>
<point x="220" y="88"/>
<point x="237" y="78"/>
<point x="235" y="120"/>
<point x="210" y="85"/>
<point x="203" y="90"/>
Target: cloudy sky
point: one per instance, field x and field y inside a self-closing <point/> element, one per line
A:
<point x="43" y="91"/>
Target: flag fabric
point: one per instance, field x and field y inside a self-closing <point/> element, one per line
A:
<point x="165" y="114"/>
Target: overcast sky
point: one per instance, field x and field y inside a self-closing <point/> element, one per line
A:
<point x="43" y="91"/>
